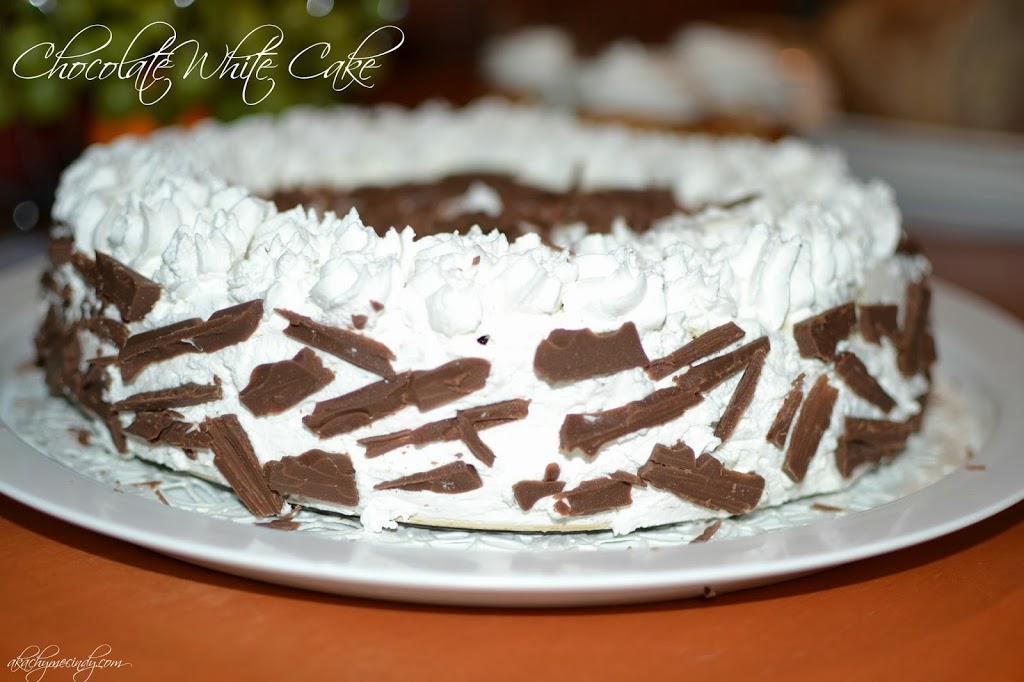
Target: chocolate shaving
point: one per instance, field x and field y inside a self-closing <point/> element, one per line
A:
<point x="106" y="328"/>
<point x="449" y="479"/>
<point x="857" y="378"/>
<point x="816" y="337"/>
<point x="811" y="425"/>
<point x="877" y="321"/>
<point x="228" y="326"/>
<point x="704" y="345"/>
<point x="590" y="432"/>
<point x="315" y="474"/>
<point x="132" y="294"/>
<point x="594" y="496"/>
<point x="784" y="417"/>
<point x="818" y="506"/>
<point x="353" y="348"/>
<point x="527" y="493"/>
<point x="704" y="481"/>
<point x="741" y="397"/>
<point x="235" y="459"/>
<point x="166" y="428"/>
<point x="359" y="408"/>
<point x="464" y="426"/>
<point x="707" y="533"/>
<point x="165" y="399"/>
<point x="568" y="355"/>
<point x="60" y="250"/>
<point x="552" y="471"/>
<point x="433" y="388"/>
<point x="274" y="387"/>
<point x="359" y="321"/>
<point x="627" y="477"/>
<point x="869" y="441"/>
<point x="916" y="349"/>
<point x="224" y="328"/>
<point x="86" y="267"/>
<point x="707" y="375"/>
<point x="149" y="425"/>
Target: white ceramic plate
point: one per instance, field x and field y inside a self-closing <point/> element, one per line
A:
<point x="492" y="569"/>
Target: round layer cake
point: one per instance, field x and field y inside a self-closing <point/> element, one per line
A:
<point x="489" y="317"/>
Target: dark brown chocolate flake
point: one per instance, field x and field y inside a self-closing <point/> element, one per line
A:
<point x="235" y="459"/>
<point x="377" y="306"/>
<point x="552" y="471"/>
<point x="595" y="496"/>
<point x="132" y="294"/>
<point x="590" y="432"/>
<point x="149" y="425"/>
<point x="464" y="426"/>
<point x="166" y="428"/>
<point x="876" y="321"/>
<point x="107" y="329"/>
<point x="187" y="436"/>
<point x="359" y="408"/>
<point x="707" y="533"/>
<point x="869" y="441"/>
<point x="627" y="477"/>
<point x="916" y="349"/>
<point x="224" y="328"/>
<point x="274" y="387"/>
<point x="817" y="336"/>
<point x="818" y="506"/>
<point x="156" y="345"/>
<point x="359" y="321"/>
<point x="359" y="350"/>
<point x="86" y="267"/>
<point x="453" y="380"/>
<point x="704" y="345"/>
<point x="811" y="425"/>
<point x="527" y="493"/>
<point x="741" y="397"/>
<point x="169" y="398"/>
<point x="60" y="250"/>
<point x="857" y="378"/>
<point x="709" y="374"/>
<point x="449" y="479"/>
<point x="568" y="355"/>
<point x="315" y="474"/>
<point x="228" y="326"/>
<point x="784" y="417"/>
<point x="704" y="480"/>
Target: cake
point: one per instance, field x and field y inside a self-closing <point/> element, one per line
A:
<point x="706" y="78"/>
<point x="487" y="317"/>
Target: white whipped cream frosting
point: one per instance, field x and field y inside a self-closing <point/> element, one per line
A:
<point x="184" y="209"/>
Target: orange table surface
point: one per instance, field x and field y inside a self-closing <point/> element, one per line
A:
<point x="949" y="609"/>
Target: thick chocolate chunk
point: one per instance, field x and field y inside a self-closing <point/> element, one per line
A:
<point x="876" y="321"/>
<point x="433" y="388"/>
<point x="590" y="432"/>
<point x="779" y="429"/>
<point x="704" y="480"/>
<point x="132" y="294"/>
<point x="811" y="425"/>
<point x="354" y="348"/>
<point x="870" y="441"/>
<point x="318" y="475"/>
<point x="704" y="345"/>
<point x="235" y="459"/>
<point x="568" y="355"/>
<point x="528" y="493"/>
<point x="277" y="386"/>
<point x="594" y="496"/>
<point x="916" y="349"/>
<point x="359" y="408"/>
<point x="816" y="337"/>
<point x="741" y="397"/>
<point x="857" y="378"/>
<point x="709" y="374"/>
<point x="464" y="426"/>
<point x="228" y="326"/>
<point x="169" y="398"/>
<point x="224" y="328"/>
<point x="449" y="479"/>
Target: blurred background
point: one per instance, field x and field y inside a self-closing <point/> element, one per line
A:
<point x="927" y="94"/>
